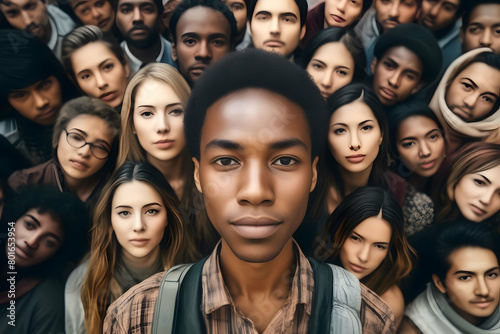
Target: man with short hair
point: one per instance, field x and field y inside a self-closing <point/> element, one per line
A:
<point x="138" y="22"/>
<point x="385" y="15"/>
<point x="45" y="21"/>
<point x="442" y="18"/>
<point x="240" y="12"/>
<point x="203" y="31"/>
<point x="278" y="25"/>
<point x="481" y="25"/>
<point x="407" y="58"/>
<point x="255" y="127"/>
<point x="465" y="290"/>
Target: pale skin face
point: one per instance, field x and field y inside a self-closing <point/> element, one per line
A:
<point x="95" y="12"/>
<point x="397" y="75"/>
<point x="438" y="14"/>
<point x="255" y="172"/>
<point x="331" y="67"/>
<point x="483" y="29"/>
<point x="30" y="15"/>
<point x="391" y="13"/>
<point x="276" y="26"/>
<point x="158" y="121"/>
<point x="342" y="13"/>
<point x="203" y="37"/>
<point x="474" y="92"/>
<point x="80" y="163"/>
<point x="38" y="237"/>
<point x="39" y="102"/>
<point x="421" y="145"/>
<point x="367" y="246"/>
<point x="139" y="219"/>
<point x="354" y="137"/>
<point x="99" y="73"/>
<point x="472" y="283"/>
<point x="477" y="195"/>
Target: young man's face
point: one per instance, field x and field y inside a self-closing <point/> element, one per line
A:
<point x="439" y="14"/>
<point x="30" y="15"/>
<point x="276" y="26"/>
<point x="203" y="37"/>
<point x="483" y="29"/>
<point x="472" y="284"/>
<point x="390" y="13"/>
<point x="396" y="75"/>
<point x="239" y="10"/>
<point x="255" y="171"/>
<point x="138" y="22"/>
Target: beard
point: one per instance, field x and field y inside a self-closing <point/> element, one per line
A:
<point x="145" y="42"/>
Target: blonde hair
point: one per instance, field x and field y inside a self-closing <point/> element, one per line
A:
<point x="100" y="288"/>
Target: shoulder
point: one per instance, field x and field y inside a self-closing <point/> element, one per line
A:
<point x="45" y="173"/>
<point x="418" y="210"/>
<point x="408" y="327"/>
<point x="135" y="308"/>
<point x="63" y="21"/>
<point x="376" y="315"/>
<point x="394" y="299"/>
<point x="76" y="278"/>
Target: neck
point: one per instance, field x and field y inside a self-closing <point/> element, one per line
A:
<point x="353" y="181"/>
<point x="418" y="181"/>
<point x="257" y="281"/>
<point x="174" y="172"/>
<point x="82" y="188"/>
<point x="240" y="37"/>
<point x="149" y="54"/>
<point x="453" y="140"/>
<point x="47" y="32"/>
<point x="147" y="261"/>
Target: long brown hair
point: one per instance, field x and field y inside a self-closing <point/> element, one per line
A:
<point x="200" y="230"/>
<point x="100" y="288"/>
<point x="473" y="158"/>
<point x="361" y="204"/>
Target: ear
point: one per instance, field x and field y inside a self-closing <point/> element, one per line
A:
<point x="197" y="174"/>
<point x="373" y="65"/>
<point x="381" y="139"/>
<point x="451" y="192"/>
<point x="438" y="283"/>
<point x="127" y="68"/>
<point x="314" y="179"/>
<point x="418" y="87"/>
<point x="173" y="52"/>
<point x="302" y="32"/>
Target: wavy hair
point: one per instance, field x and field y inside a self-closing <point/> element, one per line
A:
<point x="361" y="204"/>
<point x="100" y="287"/>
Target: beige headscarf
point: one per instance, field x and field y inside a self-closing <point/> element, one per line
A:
<point x="486" y="129"/>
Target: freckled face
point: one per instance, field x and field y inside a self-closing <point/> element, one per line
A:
<point x="366" y="247"/>
<point x="255" y="171"/>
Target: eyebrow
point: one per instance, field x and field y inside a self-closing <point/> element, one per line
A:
<point x="415" y="138"/>
<point x="375" y="243"/>
<point x="50" y="233"/>
<point x="99" y="65"/>
<point x="485" y="178"/>
<point x="153" y="107"/>
<point x="80" y="4"/>
<point x="278" y="145"/>
<point x="343" y="124"/>
<point x="86" y="135"/>
<point x="144" y="206"/>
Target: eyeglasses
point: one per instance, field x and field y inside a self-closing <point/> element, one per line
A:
<point x="77" y="141"/>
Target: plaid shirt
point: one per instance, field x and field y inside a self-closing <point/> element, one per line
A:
<point x="133" y="312"/>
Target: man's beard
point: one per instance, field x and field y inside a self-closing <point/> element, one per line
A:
<point x="146" y="42"/>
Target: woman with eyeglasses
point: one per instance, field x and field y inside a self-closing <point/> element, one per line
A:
<point x="85" y="143"/>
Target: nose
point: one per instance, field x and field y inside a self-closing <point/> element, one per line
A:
<point x="486" y="38"/>
<point x="275" y="26"/>
<point x="434" y="11"/>
<point x="341" y="5"/>
<point x="487" y="196"/>
<point x="95" y="13"/>
<point x="255" y="187"/>
<point x="100" y="81"/>
<point x="394" y="9"/>
<point x="470" y="100"/>
<point x="327" y="80"/>
<point x="355" y="142"/>
<point x="26" y="18"/>
<point x="41" y="101"/>
<point x="364" y="253"/>
<point x="137" y="15"/>
<point x="32" y="242"/>
<point x="481" y="288"/>
<point x="204" y="51"/>
<point x="139" y="225"/>
<point x="394" y="79"/>
<point x="162" y="123"/>
<point x="84" y="151"/>
<point x="424" y="150"/>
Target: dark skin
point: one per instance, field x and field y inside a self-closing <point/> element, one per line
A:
<point x="256" y="188"/>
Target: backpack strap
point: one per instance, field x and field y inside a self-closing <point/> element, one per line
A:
<point x="163" y="318"/>
<point x="336" y="292"/>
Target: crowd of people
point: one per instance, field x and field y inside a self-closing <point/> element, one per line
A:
<point x="250" y="166"/>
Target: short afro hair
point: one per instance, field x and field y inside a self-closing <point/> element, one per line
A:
<point x="254" y="68"/>
<point x="217" y="5"/>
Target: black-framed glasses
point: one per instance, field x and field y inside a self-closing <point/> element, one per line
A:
<point x="77" y="141"/>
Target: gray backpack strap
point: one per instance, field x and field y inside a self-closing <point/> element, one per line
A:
<point x="346" y="302"/>
<point x="163" y="319"/>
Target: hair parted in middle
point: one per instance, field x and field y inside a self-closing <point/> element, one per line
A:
<point x="100" y="288"/>
<point x="361" y="204"/>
